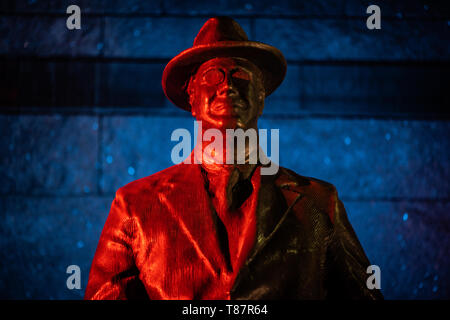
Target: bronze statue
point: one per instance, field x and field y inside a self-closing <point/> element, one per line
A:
<point x="211" y="230"/>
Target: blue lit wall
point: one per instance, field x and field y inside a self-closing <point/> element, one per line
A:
<point x="82" y="113"/>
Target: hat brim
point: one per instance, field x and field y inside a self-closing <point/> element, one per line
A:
<point x="269" y="59"/>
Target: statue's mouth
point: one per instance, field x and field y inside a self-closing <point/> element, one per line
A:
<point x="228" y="107"/>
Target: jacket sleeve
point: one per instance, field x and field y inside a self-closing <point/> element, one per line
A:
<point x="347" y="262"/>
<point x="114" y="274"/>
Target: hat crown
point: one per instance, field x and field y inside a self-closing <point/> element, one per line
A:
<point x="221" y="37"/>
<point x="219" y="29"/>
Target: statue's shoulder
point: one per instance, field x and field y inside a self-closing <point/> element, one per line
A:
<point x="323" y="193"/>
<point x="286" y="175"/>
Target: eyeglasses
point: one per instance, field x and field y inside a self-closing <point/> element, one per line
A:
<point x="216" y="76"/>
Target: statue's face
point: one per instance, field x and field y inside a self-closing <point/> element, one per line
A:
<point x="227" y="93"/>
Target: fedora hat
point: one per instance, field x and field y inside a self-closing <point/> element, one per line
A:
<point x="221" y="37"/>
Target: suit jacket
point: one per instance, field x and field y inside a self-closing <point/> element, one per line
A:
<point x="160" y="242"/>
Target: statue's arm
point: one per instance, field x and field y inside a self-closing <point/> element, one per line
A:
<point x="346" y="260"/>
<point x="114" y="274"/>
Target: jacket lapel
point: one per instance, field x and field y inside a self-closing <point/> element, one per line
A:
<point x="198" y="223"/>
<point x="277" y="196"/>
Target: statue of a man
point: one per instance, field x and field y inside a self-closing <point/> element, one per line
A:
<point x="209" y="228"/>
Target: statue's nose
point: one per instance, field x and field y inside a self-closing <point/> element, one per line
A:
<point x="227" y="89"/>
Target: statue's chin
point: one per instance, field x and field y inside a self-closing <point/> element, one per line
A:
<point x="225" y="122"/>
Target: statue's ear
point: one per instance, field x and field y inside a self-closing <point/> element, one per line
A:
<point x="261" y="97"/>
<point x="189" y="91"/>
<point x="191" y="100"/>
